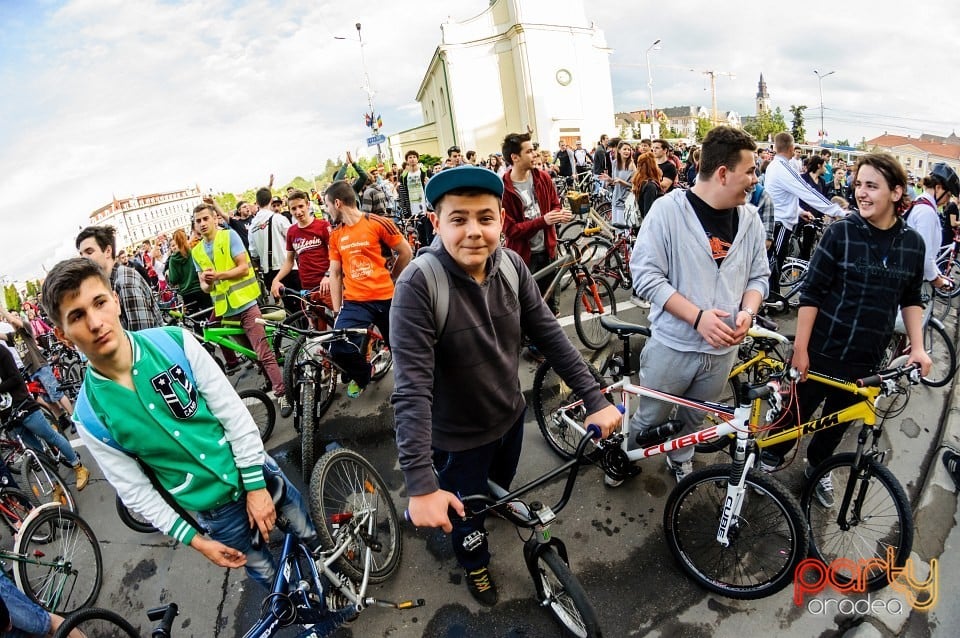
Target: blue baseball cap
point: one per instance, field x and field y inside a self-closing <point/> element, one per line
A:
<point x="462" y="177"/>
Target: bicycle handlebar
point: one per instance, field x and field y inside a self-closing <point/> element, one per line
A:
<point x="875" y="380"/>
<point x="165" y="615"/>
<point x="322" y="335"/>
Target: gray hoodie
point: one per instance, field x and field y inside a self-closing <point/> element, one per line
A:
<point x="672" y="254"/>
<point x="465" y="391"/>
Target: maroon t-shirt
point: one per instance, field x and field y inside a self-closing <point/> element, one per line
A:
<point x="309" y="245"/>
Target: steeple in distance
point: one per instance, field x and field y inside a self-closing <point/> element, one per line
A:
<point x="763" y="98"/>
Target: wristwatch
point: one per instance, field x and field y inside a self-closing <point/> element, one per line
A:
<point x="753" y="315"/>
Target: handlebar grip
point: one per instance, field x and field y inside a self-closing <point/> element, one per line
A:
<point x="261" y="321"/>
<point x="406" y="516"/>
<point x="594" y="430"/>
<point x="869" y="382"/>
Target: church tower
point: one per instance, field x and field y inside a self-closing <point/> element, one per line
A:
<point x="763" y="98"/>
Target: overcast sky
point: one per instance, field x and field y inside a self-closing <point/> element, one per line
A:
<point x="122" y="97"/>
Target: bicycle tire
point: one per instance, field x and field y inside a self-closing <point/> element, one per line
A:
<point x="604" y="210"/>
<point x="595" y="250"/>
<point x="792" y="272"/>
<point x="343" y="480"/>
<point x="261" y="409"/>
<point x="308" y="426"/>
<point x="281" y="341"/>
<point x="550" y="393"/>
<point x="937" y="344"/>
<point x="133" y="520"/>
<point x="98" y="622"/>
<point x="42" y="482"/>
<point x="17" y="505"/>
<point x="889" y="519"/>
<point x="563" y="595"/>
<point x="305" y="353"/>
<point x="381" y="359"/>
<point x="613" y="266"/>
<point x="586" y="315"/>
<point x="767" y="541"/>
<point x="949" y="268"/>
<point x="571" y="229"/>
<point x="72" y="555"/>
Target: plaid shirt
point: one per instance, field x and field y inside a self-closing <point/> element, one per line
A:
<point x="138" y="308"/>
<point x="374" y="201"/>
<point x="856" y="289"/>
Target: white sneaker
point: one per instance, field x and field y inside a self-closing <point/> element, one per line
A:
<point x="609" y="481"/>
<point x="823" y="490"/>
<point x="680" y="470"/>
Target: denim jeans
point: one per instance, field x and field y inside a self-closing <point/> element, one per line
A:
<point x="49" y="382"/>
<point x="465" y="473"/>
<point x="36" y="425"/>
<point x="28" y="618"/>
<point x="229" y="525"/>
<point x="352" y="356"/>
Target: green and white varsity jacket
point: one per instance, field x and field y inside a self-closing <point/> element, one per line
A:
<point x="197" y="436"/>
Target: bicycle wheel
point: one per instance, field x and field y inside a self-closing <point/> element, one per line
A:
<point x="593" y="299"/>
<point x="594" y="251"/>
<point x="133" y="520"/>
<point x="793" y="271"/>
<point x="550" y="395"/>
<point x="939" y="346"/>
<point x="878" y="519"/>
<point x="308" y="352"/>
<point x="562" y="594"/>
<point x="43" y="484"/>
<point x="381" y="359"/>
<point x="348" y="491"/>
<point x="101" y="623"/>
<point x="949" y="268"/>
<point x="309" y="423"/>
<point x="282" y="341"/>
<point x="262" y="410"/>
<point x="766" y="541"/>
<point x="571" y="230"/>
<point x="65" y="574"/>
<point x="15" y="506"/>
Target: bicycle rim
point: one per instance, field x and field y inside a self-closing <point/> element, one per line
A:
<point x="348" y="491"/>
<point x="99" y="623"/>
<point x="550" y="395"/>
<point x="261" y="410"/>
<point x="43" y="484"/>
<point x="594" y="298"/>
<point x="564" y="596"/>
<point x="16" y="506"/>
<point x="767" y="540"/>
<point x="65" y="574"/>
<point x="942" y="352"/>
<point x="381" y="359"/>
<point x="879" y="519"/>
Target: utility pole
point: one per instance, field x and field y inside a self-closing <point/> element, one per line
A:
<point x="820" y="84"/>
<point x="654" y="130"/>
<point x="374" y="126"/>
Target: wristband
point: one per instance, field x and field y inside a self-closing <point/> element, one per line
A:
<point x="697" y="321"/>
<point x="753" y="315"/>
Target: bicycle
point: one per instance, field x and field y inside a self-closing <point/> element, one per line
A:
<point x="41" y="481"/>
<point x="226" y="333"/>
<point x="310" y="375"/>
<point x="361" y="545"/>
<point x="594" y="296"/>
<point x="57" y="560"/>
<point x="792" y="275"/>
<point x="714" y="555"/>
<point x="544" y="554"/>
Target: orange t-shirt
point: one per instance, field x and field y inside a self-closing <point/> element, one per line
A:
<point x="359" y="249"/>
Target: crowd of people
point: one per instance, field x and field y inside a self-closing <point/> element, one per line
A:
<point x="711" y="226"/>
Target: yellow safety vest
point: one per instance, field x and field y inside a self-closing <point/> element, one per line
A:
<point x="235" y="292"/>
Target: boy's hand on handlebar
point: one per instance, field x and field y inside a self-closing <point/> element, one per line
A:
<point x="276" y="288"/>
<point x="920" y="357"/>
<point x="607" y="419"/>
<point x="800" y="361"/>
<point x="430" y="510"/>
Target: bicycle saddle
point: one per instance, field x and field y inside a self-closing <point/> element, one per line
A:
<point x="622" y="328"/>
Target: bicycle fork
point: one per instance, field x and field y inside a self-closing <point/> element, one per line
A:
<point x="851" y="506"/>
<point x="743" y="461"/>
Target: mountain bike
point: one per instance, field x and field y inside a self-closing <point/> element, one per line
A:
<point x="792" y="274"/>
<point x="545" y="555"/>
<point x="37" y="467"/>
<point x="361" y="545"/>
<point x="57" y="561"/>
<point x="737" y="557"/>
<point x="310" y="375"/>
<point x="224" y="332"/>
<point x="936" y="342"/>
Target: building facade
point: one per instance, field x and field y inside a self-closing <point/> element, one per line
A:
<point x="916" y="154"/>
<point x="147" y="216"/>
<point x="520" y="65"/>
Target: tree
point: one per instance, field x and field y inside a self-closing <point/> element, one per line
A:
<point x="843" y="142"/>
<point x="862" y="146"/>
<point x="764" y="126"/>
<point x="799" y="132"/>
<point x="11" y="298"/>
<point x="703" y="127"/>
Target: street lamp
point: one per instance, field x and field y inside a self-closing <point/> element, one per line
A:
<point x="653" y="118"/>
<point x="820" y="84"/>
<point x="366" y="87"/>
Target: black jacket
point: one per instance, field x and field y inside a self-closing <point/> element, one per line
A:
<point x="857" y="290"/>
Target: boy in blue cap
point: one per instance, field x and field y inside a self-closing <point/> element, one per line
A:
<point x="458" y="402"/>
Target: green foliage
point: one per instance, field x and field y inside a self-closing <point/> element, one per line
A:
<point x="429" y="161"/>
<point x="843" y="142"/>
<point x="703" y="127"/>
<point x="32" y="289"/>
<point x="624" y="130"/>
<point x="226" y="201"/>
<point x="797" y="129"/>
<point x="670" y="133"/>
<point x="11" y="298"/>
<point x="862" y="146"/>
<point x="764" y="126"/>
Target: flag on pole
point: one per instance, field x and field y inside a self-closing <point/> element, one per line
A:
<point x="379" y="122"/>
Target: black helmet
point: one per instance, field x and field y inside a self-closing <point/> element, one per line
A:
<point x="948" y="176"/>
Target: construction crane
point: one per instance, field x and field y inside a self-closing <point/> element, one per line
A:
<point x="707" y="73"/>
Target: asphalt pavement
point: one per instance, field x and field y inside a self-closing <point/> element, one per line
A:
<point x="614" y="537"/>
